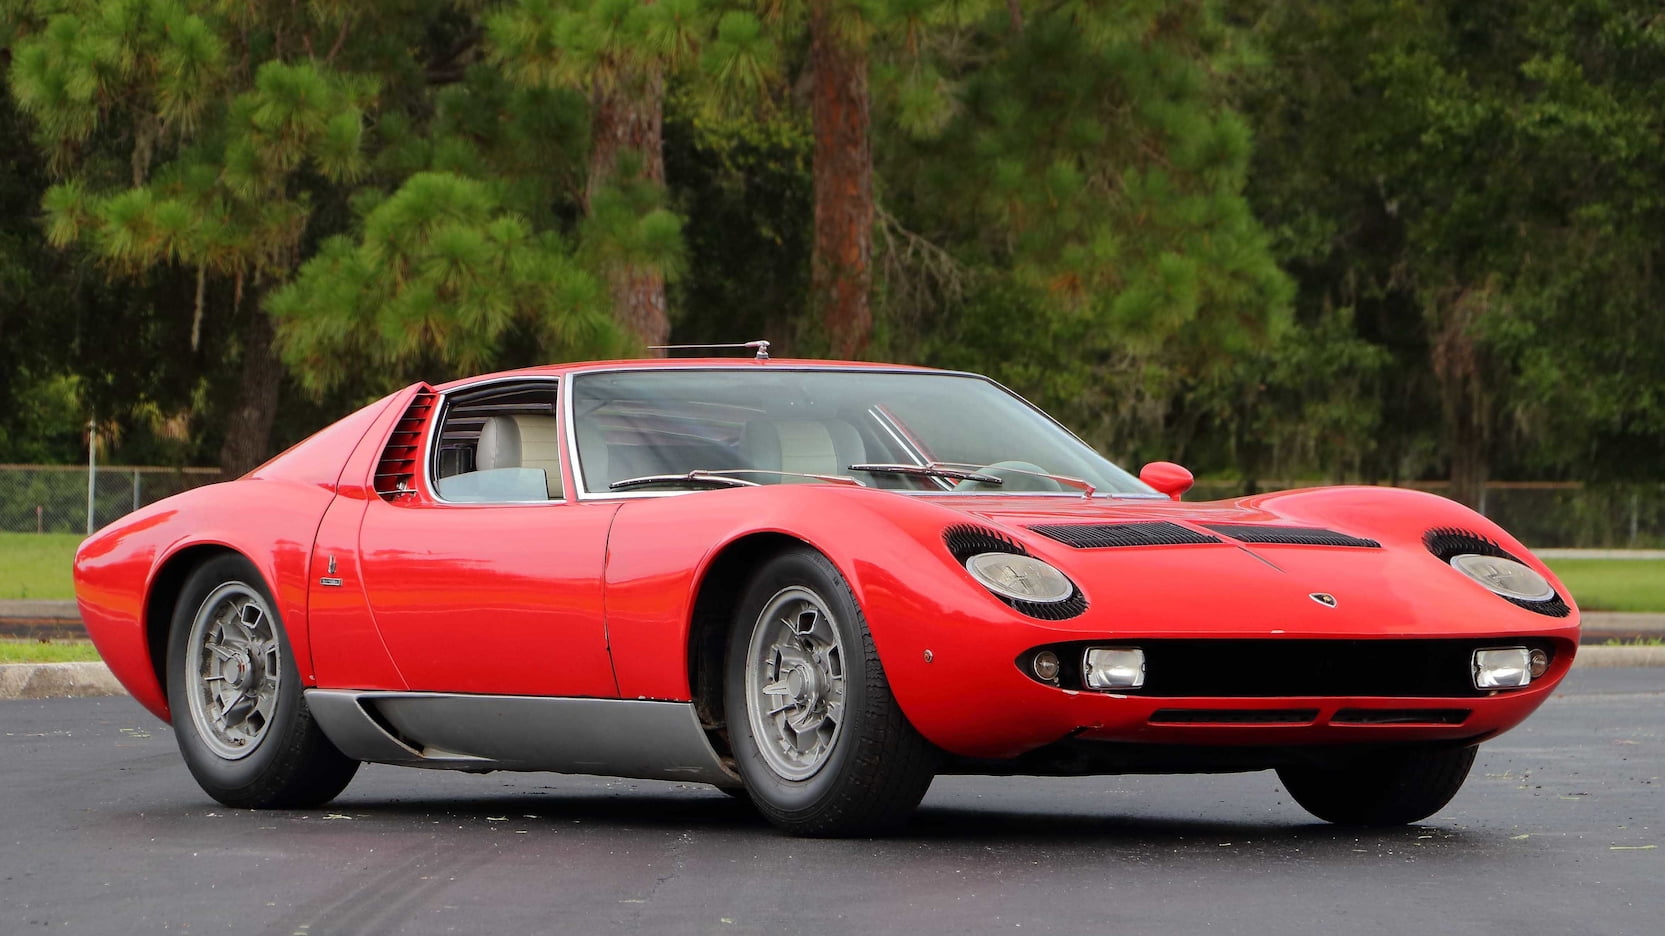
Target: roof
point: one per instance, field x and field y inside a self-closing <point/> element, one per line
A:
<point x="557" y="370"/>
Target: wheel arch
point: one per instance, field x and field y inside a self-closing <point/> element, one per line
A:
<point x="717" y="598"/>
<point x="163" y="595"/>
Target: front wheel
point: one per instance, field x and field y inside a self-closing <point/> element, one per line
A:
<point x="1385" y="789"/>
<point x="821" y="743"/>
<point x="235" y="695"/>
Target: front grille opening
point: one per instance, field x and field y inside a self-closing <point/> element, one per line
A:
<point x="1234" y="716"/>
<point x="1357" y="716"/>
<point x="1207" y="668"/>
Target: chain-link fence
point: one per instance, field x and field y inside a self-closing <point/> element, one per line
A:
<point x="57" y="499"/>
<point x="54" y="499"/>
<point x="1541" y="514"/>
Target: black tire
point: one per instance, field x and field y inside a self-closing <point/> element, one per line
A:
<point x="276" y="757"/>
<point x="874" y="768"/>
<point x="1385" y="789"/>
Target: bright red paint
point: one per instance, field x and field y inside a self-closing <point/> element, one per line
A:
<point x="595" y="598"/>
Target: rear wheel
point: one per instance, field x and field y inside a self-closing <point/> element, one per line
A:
<point x="235" y="695"/>
<point x="1385" y="789"/>
<point x="821" y="743"/>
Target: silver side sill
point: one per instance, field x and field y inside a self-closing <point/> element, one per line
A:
<point x="609" y="737"/>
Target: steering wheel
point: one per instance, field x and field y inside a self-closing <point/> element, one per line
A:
<point x="1017" y="480"/>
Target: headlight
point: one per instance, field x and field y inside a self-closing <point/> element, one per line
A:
<point x="1020" y="578"/>
<point x="1506" y="577"/>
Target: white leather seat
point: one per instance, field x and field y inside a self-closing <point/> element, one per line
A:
<point x="522" y="442"/>
<point x="804" y="446"/>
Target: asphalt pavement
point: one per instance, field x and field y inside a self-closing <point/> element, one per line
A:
<point x="1560" y="829"/>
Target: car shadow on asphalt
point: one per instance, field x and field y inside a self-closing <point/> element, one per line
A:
<point x="712" y="811"/>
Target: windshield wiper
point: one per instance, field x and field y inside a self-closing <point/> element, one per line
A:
<point x="697" y="476"/>
<point x="724" y="477"/>
<point x="933" y="470"/>
<point x="1085" y="487"/>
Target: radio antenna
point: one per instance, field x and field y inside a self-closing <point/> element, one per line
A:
<point x="760" y="346"/>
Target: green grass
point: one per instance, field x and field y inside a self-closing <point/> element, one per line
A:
<point x="36" y="566"/>
<point x="1614" y="584"/>
<point x="42" y="651"/>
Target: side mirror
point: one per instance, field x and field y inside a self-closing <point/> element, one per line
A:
<point x="1167" y="477"/>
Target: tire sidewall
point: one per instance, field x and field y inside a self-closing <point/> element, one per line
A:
<point x="771" y="791"/>
<point x="220" y="777"/>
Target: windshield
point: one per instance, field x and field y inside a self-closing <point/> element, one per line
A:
<point x="786" y="425"/>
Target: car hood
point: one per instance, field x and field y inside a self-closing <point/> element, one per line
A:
<point x="1167" y="569"/>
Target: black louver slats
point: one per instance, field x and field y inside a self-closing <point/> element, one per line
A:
<point x="1111" y="535"/>
<point x="396" y="470"/>
<point x="1450" y="542"/>
<point x="966" y="541"/>
<point x="1290" y="536"/>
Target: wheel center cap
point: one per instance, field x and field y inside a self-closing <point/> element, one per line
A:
<point x="801" y="682"/>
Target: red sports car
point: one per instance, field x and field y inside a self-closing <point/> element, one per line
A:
<point x="815" y="584"/>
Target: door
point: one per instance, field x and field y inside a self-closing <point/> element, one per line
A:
<point x="481" y="575"/>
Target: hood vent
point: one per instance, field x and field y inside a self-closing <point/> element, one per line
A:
<point x="1111" y="535"/>
<point x="1290" y="536"/>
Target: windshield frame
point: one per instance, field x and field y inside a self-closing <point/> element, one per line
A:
<point x="580" y="488"/>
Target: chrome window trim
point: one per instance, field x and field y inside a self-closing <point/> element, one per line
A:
<point x="581" y="491"/>
<point x="430" y="452"/>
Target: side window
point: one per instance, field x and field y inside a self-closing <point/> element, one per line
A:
<point x="498" y="445"/>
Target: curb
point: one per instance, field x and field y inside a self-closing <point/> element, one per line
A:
<point x="80" y="680"/>
<point x="1612" y="657"/>
<point x="57" y="681"/>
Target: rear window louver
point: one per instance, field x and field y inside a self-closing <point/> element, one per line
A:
<point x="396" y="470"/>
<point x="1112" y="535"/>
<point x="1290" y="536"/>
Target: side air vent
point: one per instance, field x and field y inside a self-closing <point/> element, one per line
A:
<point x="396" y="470"/>
<point x="1111" y="535"/>
<point x="1448" y="542"/>
<point x="967" y="540"/>
<point x="1290" y="536"/>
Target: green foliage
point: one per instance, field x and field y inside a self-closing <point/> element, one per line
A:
<point x="1087" y="180"/>
<point x="1352" y="239"/>
<point x="441" y="276"/>
<point x="1479" y="185"/>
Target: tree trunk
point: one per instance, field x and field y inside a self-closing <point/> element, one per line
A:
<point x="248" y="435"/>
<point x="627" y="117"/>
<point x="841" y="275"/>
<point x="1464" y="402"/>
